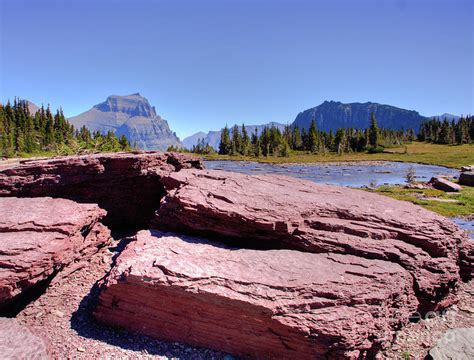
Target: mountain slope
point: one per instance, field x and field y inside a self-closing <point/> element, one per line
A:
<point x="132" y="116"/>
<point x="446" y="116"/>
<point x="190" y="141"/>
<point x="213" y="138"/>
<point x="331" y="115"/>
<point x="33" y="108"/>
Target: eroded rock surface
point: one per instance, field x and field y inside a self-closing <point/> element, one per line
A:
<point x="39" y="236"/>
<point x="20" y="342"/>
<point x="277" y="211"/>
<point x="263" y="304"/>
<point x="127" y="185"/>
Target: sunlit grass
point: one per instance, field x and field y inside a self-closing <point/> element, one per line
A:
<point x="463" y="206"/>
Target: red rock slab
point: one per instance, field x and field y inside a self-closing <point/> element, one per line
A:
<point x="20" y="342"/>
<point x="277" y="211"/>
<point x="262" y="304"/>
<point x="39" y="236"/>
<point x="127" y="185"/>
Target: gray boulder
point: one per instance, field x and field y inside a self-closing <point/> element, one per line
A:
<point x="455" y="344"/>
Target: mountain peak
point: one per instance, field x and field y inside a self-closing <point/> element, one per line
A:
<point x="132" y="116"/>
<point x="133" y="105"/>
<point x="332" y="115"/>
<point x="33" y="108"/>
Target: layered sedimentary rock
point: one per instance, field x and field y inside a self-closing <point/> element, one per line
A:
<point x="127" y="185"/>
<point x="263" y="304"/>
<point x="132" y="116"/>
<point x="39" y="236"/>
<point x="20" y="342"/>
<point x="282" y="212"/>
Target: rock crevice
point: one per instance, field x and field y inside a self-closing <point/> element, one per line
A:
<point x="39" y="236"/>
<point x="127" y="185"/>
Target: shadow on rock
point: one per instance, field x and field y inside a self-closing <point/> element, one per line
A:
<point x="84" y="323"/>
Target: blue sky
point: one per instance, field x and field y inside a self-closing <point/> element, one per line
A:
<point x="207" y="63"/>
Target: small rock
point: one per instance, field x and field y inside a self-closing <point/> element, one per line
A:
<point x="58" y="313"/>
<point x="444" y="184"/>
<point x="81" y="349"/>
<point x="418" y="186"/>
<point x="467" y="178"/>
<point x="467" y="309"/>
<point x="38" y="315"/>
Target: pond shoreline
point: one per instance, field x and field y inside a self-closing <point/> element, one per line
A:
<point x="330" y="162"/>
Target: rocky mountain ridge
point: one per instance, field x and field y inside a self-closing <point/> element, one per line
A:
<point x="332" y="115"/>
<point x="132" y="116"/>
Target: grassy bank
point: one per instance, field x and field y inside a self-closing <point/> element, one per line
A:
<point x="447" y="204"/>
<point x="453" y="156"/>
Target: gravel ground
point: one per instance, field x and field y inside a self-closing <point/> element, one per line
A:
<point x="63" y="314"/>
<point x="416" y="339"/>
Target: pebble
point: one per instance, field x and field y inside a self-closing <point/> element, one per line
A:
<point x="81" y="349"/>
<point x="38" y="315"/>
<point x="58" y="313"/>
<point x="467" y="309"/>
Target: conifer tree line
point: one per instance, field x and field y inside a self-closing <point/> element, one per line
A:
<point x="24" y="133"/>
<point x="448" y="132"/>
<point x="273" y="142"/>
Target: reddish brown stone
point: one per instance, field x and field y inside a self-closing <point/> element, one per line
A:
<point x="278" y="211"/>
<point x="39" y="236"/>
<point x="443" y="184"/>
<point x="127" y="185"/>
<point x="263" y="304"/>
<point x="20" y="342"/>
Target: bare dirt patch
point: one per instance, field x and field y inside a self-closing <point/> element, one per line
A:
<point x="417" y="338"/>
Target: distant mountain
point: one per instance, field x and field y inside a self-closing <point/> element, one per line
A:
<point x="32" y="107"/>
<point x="132" y="116"/>
<point x="190" y="141"/>
<point x="213" y="138"/>
<point x="447" y="116"/>
<point x="331" y="115"/>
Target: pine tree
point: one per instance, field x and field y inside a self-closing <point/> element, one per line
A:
<point x="225" y="146"/>
<point x="313" y="138"/>
<point x="245" y="147"/>
<point x="444" y="134"/>
<point x="374" y="132"/>
<point x="236" y="143"/>
<point x="124" y="145"/>
<point x="297" y="142"/>
<point x="257" y="151"/>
